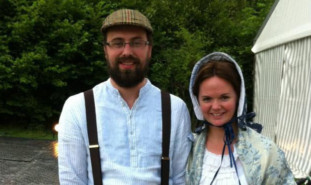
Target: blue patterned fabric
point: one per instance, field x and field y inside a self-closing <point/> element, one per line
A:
<point x="263" y="162"/>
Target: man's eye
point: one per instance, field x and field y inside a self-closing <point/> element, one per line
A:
<point x="117" y="44"/>
<point x="137" y="43"/>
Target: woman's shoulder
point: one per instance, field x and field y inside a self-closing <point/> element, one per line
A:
<point x="250" y="136"/>
<point x="252" y="145"/>
<point x="262" y="159"/>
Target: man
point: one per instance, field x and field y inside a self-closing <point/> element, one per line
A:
<point x="128" y="115"/>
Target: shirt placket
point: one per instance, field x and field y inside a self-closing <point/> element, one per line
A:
<point x="132" y="140"/>
<point x="130" y="122"/>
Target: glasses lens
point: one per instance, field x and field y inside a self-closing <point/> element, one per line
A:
<point x="137" y="44"/>
<point x="116" y="44"/>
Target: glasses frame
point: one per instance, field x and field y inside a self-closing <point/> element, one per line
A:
<point x="131" y="44"/>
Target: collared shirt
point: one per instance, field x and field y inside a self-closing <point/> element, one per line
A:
<point x="130" y="140"/>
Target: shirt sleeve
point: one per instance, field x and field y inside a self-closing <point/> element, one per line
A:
<point x="182" y="138"/>
<point x="72" y="154"/>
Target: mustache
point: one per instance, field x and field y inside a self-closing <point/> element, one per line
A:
<point x="124" y="59"/>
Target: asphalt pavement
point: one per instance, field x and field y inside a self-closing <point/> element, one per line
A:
<point x="28" y="162"/>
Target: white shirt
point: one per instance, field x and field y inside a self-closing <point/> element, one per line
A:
<point x="226" y="174"/>
<point x="130" y="140"/>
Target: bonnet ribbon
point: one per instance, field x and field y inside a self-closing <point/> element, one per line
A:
<point x="228" y="139"/>
<point x="229" y="136"/>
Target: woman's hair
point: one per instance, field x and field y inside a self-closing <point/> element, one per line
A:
<point x="222" y="69"/>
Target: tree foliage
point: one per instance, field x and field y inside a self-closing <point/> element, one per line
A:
<point x="52" y="49"/>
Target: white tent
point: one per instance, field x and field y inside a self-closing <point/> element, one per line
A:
<point x="282" y="89"/>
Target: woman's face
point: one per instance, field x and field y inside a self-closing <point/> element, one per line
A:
<point x="217" y="100"/>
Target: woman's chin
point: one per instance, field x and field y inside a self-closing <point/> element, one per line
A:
<point x="218" y="123"/>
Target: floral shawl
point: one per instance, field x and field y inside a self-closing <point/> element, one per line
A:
<point x="263" y="162"/>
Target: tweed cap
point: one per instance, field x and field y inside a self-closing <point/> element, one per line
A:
<point x="126" y="17"/>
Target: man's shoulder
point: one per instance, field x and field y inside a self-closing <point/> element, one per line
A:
<point x="175" y="100"/>
<point x="78" y="98"/>
<point x="177" y="103"/>
<point x="74" y="99"/>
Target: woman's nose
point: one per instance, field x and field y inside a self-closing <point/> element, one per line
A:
<point x="215" y="105"/>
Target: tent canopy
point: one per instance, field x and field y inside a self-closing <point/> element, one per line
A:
<point x="282" y="81"/>
<point x="288" y="20"/>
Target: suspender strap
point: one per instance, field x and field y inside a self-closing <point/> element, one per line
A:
<point x="166" y="133"/>
<point x="92" y="133"/>
<point x="93" y="140"/>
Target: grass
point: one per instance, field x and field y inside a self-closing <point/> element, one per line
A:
<point x="32" y="133"/>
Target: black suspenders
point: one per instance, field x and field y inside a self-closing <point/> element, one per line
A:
<point x="93" y="140"/>
<point x="92" y="133"/>
<point x="166" y="133"/>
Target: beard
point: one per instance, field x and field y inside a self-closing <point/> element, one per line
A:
<point x="128" y="78"/>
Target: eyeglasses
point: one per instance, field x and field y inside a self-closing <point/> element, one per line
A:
<point x="136" y="44"/>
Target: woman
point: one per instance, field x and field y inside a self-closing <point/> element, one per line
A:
<point x="227" y="150"/>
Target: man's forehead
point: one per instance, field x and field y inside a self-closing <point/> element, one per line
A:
<point x="126" y="31"/>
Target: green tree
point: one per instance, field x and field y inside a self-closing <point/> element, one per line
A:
<point x="52" y="49"/>
<point x="188" y="30"/>
<point x="49" y="50"/>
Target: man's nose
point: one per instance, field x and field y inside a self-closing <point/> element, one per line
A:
<point x="127" y="49"/>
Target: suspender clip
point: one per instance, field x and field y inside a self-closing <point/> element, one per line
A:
<point x="93" y="146"/>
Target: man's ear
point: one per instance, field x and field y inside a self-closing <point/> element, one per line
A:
<point x="150" y="52"/>
<point x="104" y="49"/>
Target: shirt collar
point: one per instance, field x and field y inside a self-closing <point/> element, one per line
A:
<point x="115" y="91"/>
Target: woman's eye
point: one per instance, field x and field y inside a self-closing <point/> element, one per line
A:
<point x="225" y="97"/>
<point x="206" y="99"/>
